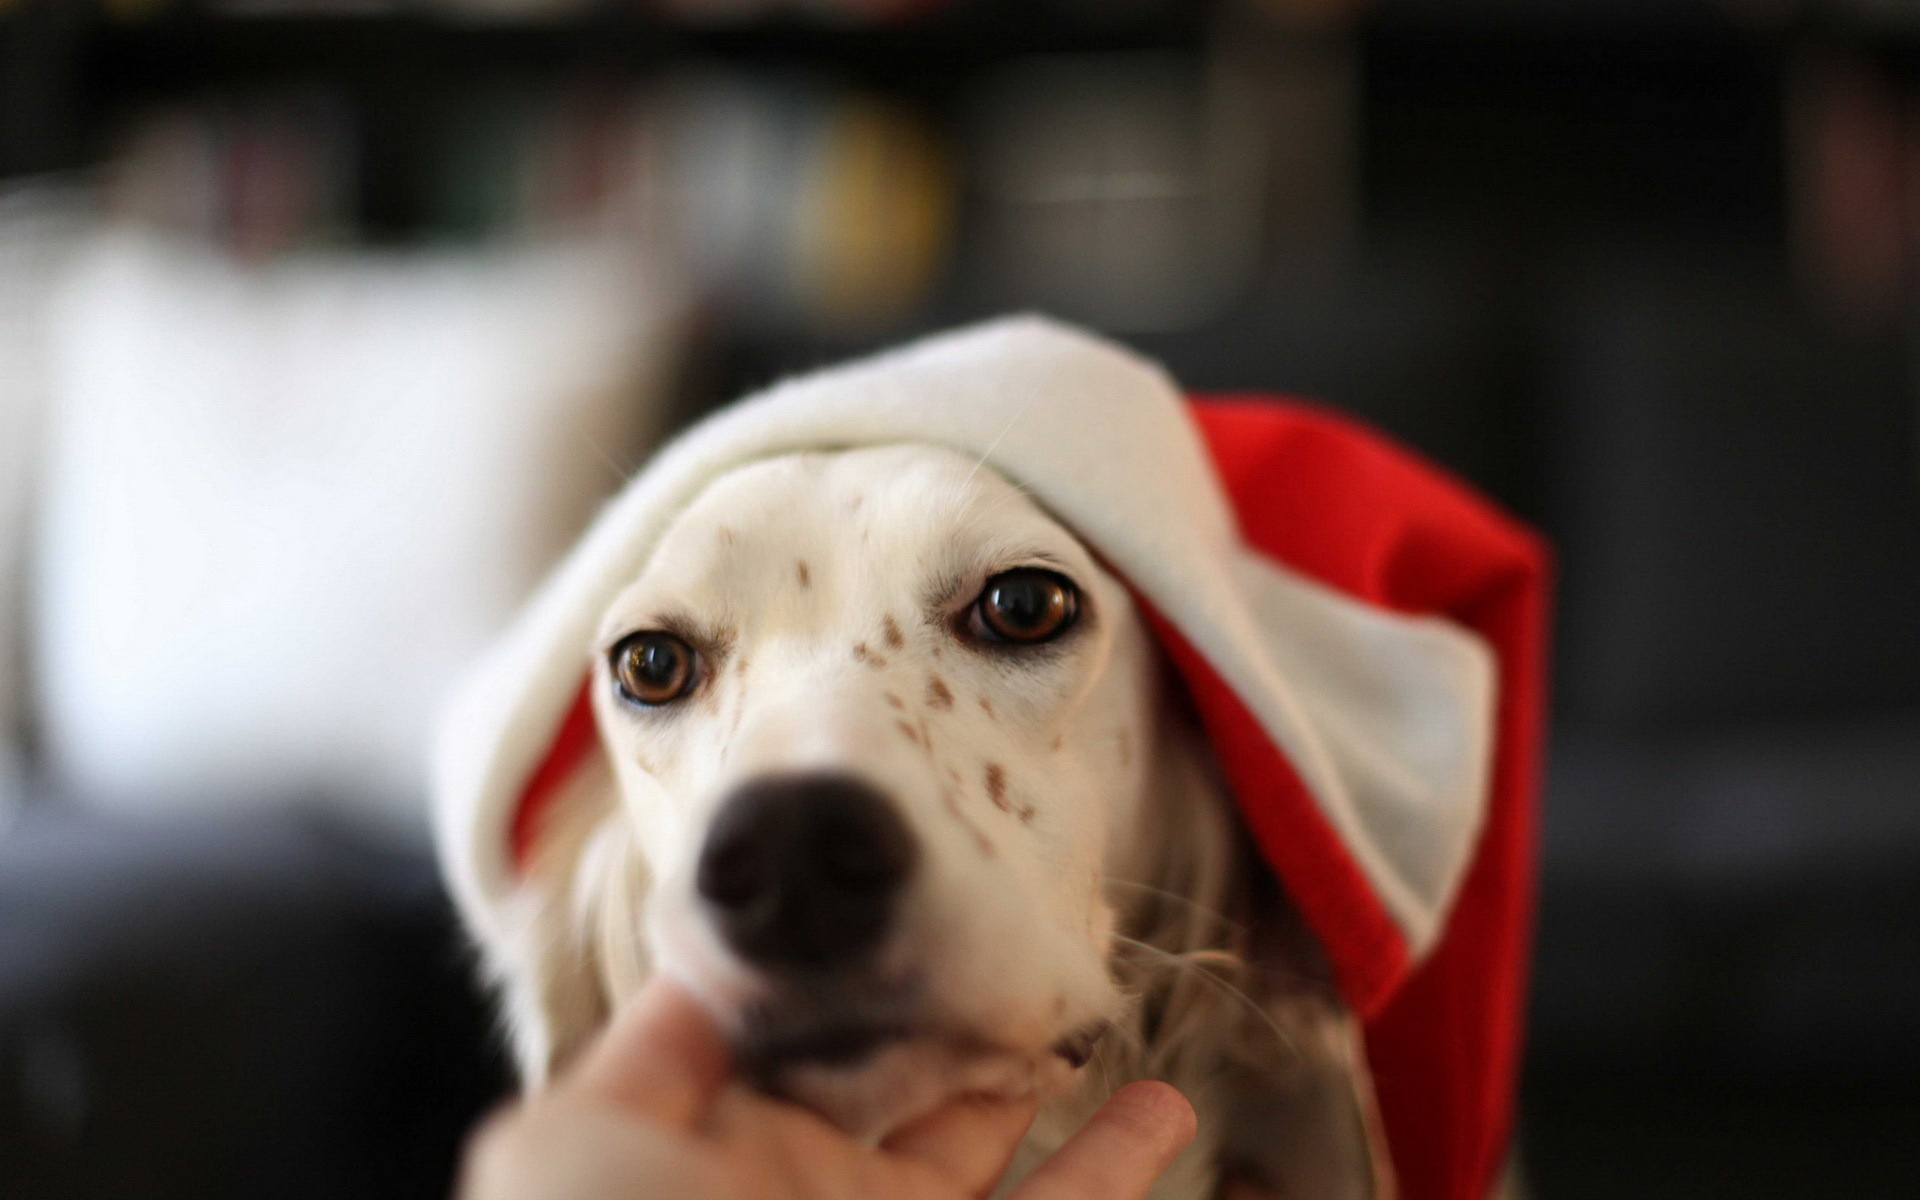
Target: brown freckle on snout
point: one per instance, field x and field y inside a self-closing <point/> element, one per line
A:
<point x="986" y="706"/>
<point x="907" y="731"/>
<point x="803" y="572"/>
<point x="1060" y="1006"/>
<point x="1059" y="740"/>
<point x="726" y="536"/>
<point x="938" y="694"/>
<point x="891" y="629"/>
<point x="864" y="653"/>
<point x="980" y="839"/>
<point x="997" y="787"/>
<point x="894" y="701"/>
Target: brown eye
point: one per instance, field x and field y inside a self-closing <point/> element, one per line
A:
<point x="1027" y="606"/>
<point x="653" y="668"/>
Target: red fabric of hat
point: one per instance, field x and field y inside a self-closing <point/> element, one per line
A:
<point x="1339" y="504"/>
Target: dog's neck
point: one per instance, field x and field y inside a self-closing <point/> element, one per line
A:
<point x="1232" y="1002"/>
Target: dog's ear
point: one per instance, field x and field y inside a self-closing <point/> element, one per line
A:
<point x="551" y="965"/>
<point x="1251" y="1016"/>
<point x="1303" y="1123"/>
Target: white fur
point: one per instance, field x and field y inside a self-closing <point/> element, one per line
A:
<point x="1079" y="860"/>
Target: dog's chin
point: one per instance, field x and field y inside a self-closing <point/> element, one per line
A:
<point x="898" y="1079"/>
<point x="873" y="1059"/>
<point x="873" y="1056"/>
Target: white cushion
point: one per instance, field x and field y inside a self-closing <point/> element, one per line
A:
<point x="285" y="503"/>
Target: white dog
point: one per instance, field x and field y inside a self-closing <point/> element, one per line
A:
<point x="932" y="784"/>
<point x="904" y="794"/>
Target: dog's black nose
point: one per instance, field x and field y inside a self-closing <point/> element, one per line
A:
<point x="804" y="871"/>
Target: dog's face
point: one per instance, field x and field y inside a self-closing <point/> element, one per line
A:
<point x="879" y="725"/>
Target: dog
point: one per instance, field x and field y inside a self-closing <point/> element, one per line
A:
<point x="897" y="781"/>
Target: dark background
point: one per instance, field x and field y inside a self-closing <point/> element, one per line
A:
<point x="1644" y="271"/>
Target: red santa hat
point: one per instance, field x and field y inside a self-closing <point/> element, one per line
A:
<point x="1362" y="637"/>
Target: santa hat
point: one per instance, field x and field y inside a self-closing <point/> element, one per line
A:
<point x="1362" y="637"/>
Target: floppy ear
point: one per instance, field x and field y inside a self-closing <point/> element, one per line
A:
<point x="1250" y="1015"/>
<point x="550" y="957"/>
<point x="1303" y="1122"/>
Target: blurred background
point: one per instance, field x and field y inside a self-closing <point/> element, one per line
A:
<point x="324" y="324"/>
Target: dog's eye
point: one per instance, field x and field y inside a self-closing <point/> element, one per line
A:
<point x="1026" y="606"/>
<point x="653" y="667"/>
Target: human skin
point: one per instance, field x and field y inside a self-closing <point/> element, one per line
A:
<point x="652" y="1110"/>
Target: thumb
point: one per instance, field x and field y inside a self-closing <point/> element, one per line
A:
<point x="661" y="1058"/>
<point x="969" y="1142"/>
<point x="1119" y="1154"/>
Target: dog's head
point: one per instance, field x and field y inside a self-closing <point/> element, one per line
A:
<point x="879" y="728"/>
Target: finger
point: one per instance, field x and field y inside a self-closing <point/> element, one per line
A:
<point x="661" y="1058"/>
<point x="796" y="1152"/>
<point x="564" y="1148"/>
<point x="1127" y="1145"/>
<point x="968" y="1142"/>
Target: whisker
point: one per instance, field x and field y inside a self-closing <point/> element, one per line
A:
<point x="622" y="469"/>
<point x="995" y="444"/>
<point x="1193" y="906"/>
<point x="1196" y="964"/>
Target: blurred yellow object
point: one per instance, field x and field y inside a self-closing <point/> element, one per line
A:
<point x="873" y="223"/>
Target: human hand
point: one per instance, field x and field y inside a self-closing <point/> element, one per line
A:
<point x="652" y="1111"/>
